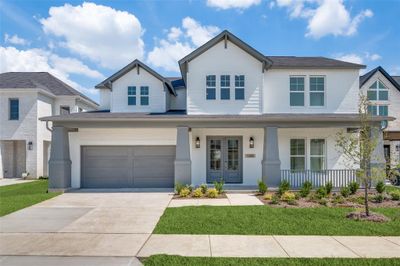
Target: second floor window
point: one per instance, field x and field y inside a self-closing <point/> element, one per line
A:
<point x="239" y="87"/>
<point x="379" y="110"/>
<point x="210" y="87"/>
<point x="225" y="87"/>
<point x="14" y="109"/>
<point x="64" y="110"/>
<point x="144" y="95"/>
<point x="296" y="91"/>
<point x="131" y="95"/>
<point x="377" y="92"/>
<point x="317" y="91"/>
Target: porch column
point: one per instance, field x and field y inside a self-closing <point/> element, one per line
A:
<point x="183" y="164"/>
<point x="378" y="156"/>
<point x="271" y="165"/>
<point x="60" y="162"/>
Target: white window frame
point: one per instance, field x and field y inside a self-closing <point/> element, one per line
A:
<point x="304" y="91"/>
<point x="324" y="156"/>
<point x="297" y="156"/>
<point x="142" y="96"/>
<point x="224" y="87"/>
<point x="310" y="91"/>
<point x="211" y="87"/>
<point x="240" y="87"/>
<point x="377" y="90"/>
<point x="133" y="95"/>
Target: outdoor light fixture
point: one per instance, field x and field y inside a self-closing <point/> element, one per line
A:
<point x="30" y="145"/>
<point x="251" y="142"/>
<point x="197" y="142"/>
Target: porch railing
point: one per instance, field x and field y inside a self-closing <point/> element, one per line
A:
<point x="339" y="177"/>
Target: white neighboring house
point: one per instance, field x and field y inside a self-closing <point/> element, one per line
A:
<point x="383" y="92"/>
<point x="24" y="140"/>
<point x="235" y="114"/>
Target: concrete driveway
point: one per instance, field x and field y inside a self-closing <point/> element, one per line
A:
<point x="115" y="224"/>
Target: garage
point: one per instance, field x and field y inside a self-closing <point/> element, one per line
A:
<point x="127" y="166"/>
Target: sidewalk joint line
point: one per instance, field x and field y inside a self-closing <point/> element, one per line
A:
<point x="355" y="253"/>
<point x="276" y="240"/>
<point x="384" y="237"/>
<point x="145" y="242"/>
<point x="209" y="242"/>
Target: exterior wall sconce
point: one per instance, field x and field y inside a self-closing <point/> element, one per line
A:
<point x="251" y="143"/>
<point x="197" y="142"/>
<point x="30" y="145"/>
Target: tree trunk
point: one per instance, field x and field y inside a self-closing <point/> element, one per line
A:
<point x="366" y="197"/>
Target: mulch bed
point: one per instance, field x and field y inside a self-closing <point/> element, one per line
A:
<point x="373" y="217"/>
<point x="220" y="196"/>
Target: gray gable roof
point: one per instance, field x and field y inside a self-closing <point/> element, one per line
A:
<point x="364" y="78"/>
<point x="310" y="62"/>
<point x="39" y="80"/>
<point x="397" y="79"/>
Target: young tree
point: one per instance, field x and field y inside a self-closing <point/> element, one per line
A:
<point x="358" y="149"/>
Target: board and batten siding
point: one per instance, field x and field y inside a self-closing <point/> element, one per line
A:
<point x="119" y="94"/>
<point x="220" y="61"/>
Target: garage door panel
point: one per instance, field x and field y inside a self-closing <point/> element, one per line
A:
<point x="108" y="182"/>
<point x="107" y="151"/>
<point x="105" y="162"/>
<point x="141" y="151"/>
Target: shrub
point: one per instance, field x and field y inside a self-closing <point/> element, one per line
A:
<point x="338" y="199"/>
<point x="262" y="187"/>
<point x="323" y="201"/>
<point x="274" y="199"/>
<point x="306" y="189"/>
<point x="378" y="198"/>
<point x="395" y="195"/>
<point x="219" y="186"/>
<point x="184" y="192"/>
<point x="345" y="192"/>
<point x="353" y="186"/>
<point x="212" y="193"/>
<point x="321" y="193"/>
<point x="179" y="187"/>
<point x="197" y="193"/>
<point x="43" y="177"/>
<point x="288" y="196"/>
<point x="380" y="187"/>
<point x="297" y="195"/>
<point x="283" y="187"/>
<point x="328" y="187"/>
<point x="292" y="202"/>
<point x="268" y="196"/>
<point x="204" y="188"/>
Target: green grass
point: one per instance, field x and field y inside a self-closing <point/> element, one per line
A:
<point x="19" y="196"/>
<point x="265" y="220"/>
<point x="166" y="260"/>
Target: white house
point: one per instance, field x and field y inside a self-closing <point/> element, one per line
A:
<point x="234" y="114"/>
<point x="24" y="140"/>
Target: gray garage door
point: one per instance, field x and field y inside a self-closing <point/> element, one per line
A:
<point x="128" y="166"/>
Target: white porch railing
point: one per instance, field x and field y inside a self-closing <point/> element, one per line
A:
<point x="339" y="178"/>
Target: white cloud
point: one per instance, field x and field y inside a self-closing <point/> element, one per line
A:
<point x="373" y="57"/>
<point x="352" y="58"/>
<point x="15" y="39"/>
<point x="100" y="33"/>
<point x="180" y="41"/>
<point x="325" y="17"/>
<point x="236" y="4"/>
<point x="41" y="60"/>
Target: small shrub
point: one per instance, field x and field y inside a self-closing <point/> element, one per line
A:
<point x="179" y="187"/>
<point x="212" y="193"/>
<point x="297" y="195"/>
<point x="380" y="187"/>
<point x="283" y="187"/>
<point x="204" y="188"/>
<point x="268" y="196"/>
<point x="262" y="187"/>
<point x="292" y="202"/>
<point x="378" y="198"/>
<point x="198" y="193"/>
<point x="395" y="195"/>
<point x="43" y="177"/>
<point x="338" y="199"/>
<point x="321" y="193"/>
<point x="219" y="186"/>
<point x="345" y="192"/>
<point x="323" y="201"/>
<point x="328" y="188"/>
<point x="275" y="199"/>
<point x="184" y="192"/>
<point x="288" y="196"/>
<point x="305" y="189"/>
<point x="353" y="186"/>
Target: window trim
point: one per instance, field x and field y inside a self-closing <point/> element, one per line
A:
<point x="304" y="92"/>
<point x="377" y="90"/>
<point x="142" y="96"/>
<point x="297" y="156"/>
<point x="224" y="87"/>
<point x="309" y="91"/>
<point x="9" y="109"/>
<point x="211" y="88"/>
<point x="324" y="156"/>
<point x="240" y="87"/>
<point x="133" y="95"/>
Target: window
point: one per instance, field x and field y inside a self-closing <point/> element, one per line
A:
<point x="210" y="87"/>
<point x="239" y="87"/>
<point x="64" y="110"/>
<point x="317" y="88"/>
<point x="131" y="95"/>
<point x="14" y="109"/>
<point x="378" y="110"/>
<point x="225" y="87"/>
<point x="297" y="154"/>
<point x="317" y="154"/>
<point x="377" y="92"/>
<point x="296" y="91"/>
<point x="144" y="95"/>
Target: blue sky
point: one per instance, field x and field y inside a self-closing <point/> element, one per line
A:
<point x="84" y="42"/>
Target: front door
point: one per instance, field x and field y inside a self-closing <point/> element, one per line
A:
<point x="224" y="159"/>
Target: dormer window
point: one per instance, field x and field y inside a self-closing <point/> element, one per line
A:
<point x="131" y="95"/>
<point x="144" y="95"/>
<point x="378" y="92"/>
<point x="225" y="87"/>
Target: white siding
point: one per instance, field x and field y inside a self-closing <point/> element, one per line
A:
<point x="119" y="94"/>
<point x="105" y="99"/>
<point x="44" y="109"/>
<point x="178" y="102"/>
<point x="341" y="91"/>
<point x="220" y="61"/>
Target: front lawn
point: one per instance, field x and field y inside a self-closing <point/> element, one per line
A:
<point x="265" y="220"/>
<point x="177" y="260"/>
<point x="16" y="197"/>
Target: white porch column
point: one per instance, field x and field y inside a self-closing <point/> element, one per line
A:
<point x="60" y="162"/>
<point x="271" y="165"/>
<point x="183" y="164"/>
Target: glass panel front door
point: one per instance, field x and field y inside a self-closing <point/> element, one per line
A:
<point x="224" y="159"/>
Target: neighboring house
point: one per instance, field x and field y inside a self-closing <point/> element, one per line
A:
<point x="383" y="92"/>
<point x="235" y="114"/>
<point x="24" y="140"/>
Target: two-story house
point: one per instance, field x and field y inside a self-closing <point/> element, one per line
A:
<point x="235" y="114"/>
<point x="383" y="92"/>
<point x="24" y="140"/>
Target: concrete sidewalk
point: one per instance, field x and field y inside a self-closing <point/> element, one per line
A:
<point x="232" y="199"/>
<point x="272" y="246"/>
